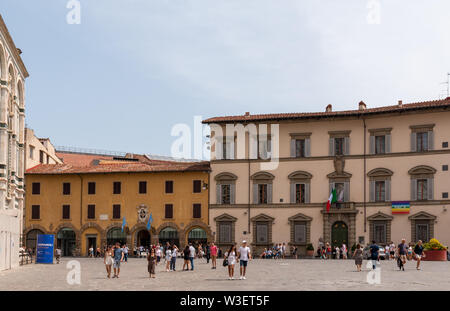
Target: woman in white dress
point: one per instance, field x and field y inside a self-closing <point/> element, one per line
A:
<point x="168" y="258"/>
<point x="108" y="260"/>
<point x="231" y="257"/>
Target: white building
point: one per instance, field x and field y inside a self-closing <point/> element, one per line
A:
<point x="12" y="138"/>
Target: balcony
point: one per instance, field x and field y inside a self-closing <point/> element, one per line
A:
<point x="341" y="207"/>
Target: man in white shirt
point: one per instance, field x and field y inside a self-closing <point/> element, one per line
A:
<point x="191" y="255"/>
<point x="244" y="256"/>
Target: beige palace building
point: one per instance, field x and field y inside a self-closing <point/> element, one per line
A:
<point x="375" y="159"/>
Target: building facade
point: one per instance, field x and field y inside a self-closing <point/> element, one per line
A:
<point x="12" y="135"/>
<point x="86" y="206"/>
<point x="375" y="159"/>
<point x="39" y="150"/>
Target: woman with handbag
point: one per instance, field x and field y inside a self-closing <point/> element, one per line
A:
<point x="230" y="261"/>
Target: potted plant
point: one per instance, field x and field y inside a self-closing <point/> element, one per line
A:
<point x="309" y="250"/>
<point x="435" y="251"/>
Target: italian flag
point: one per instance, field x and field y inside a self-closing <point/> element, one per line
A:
<point x="332" y="199"/>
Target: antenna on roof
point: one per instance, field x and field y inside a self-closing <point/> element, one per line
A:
<point x="448" y="85"/>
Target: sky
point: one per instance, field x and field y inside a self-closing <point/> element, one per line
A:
<point x="131" y="70"/>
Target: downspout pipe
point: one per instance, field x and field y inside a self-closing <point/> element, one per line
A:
<point x="364" y="175"/>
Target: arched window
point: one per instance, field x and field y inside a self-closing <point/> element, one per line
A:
<point x="300" y="187"/>
<point x="225" y="188"/>
<point x="422" y="180"/>
<point x="380" y="185"/>
<point x="262" y="187"/>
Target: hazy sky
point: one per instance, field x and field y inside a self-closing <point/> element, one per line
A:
<point x="134" y="68"/>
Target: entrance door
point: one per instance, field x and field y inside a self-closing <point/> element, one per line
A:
<point x="339" y="234"/>
<point x="66" y="241"/>
<point x="143" y="239"/>
<point x="91" y="241"/>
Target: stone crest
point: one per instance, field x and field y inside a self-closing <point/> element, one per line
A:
<point x="339" y="164"/>
<point x="142" y="213"/>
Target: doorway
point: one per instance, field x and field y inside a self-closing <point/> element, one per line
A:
<point x="66" y="241"/>
<point x="339" y="234"/>
<point x="91" y="241"/>
<point x="143" y="239"/>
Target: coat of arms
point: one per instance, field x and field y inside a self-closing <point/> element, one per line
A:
<point x="142" y="213"/>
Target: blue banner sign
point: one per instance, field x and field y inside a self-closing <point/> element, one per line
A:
<point x="44" y="252"/>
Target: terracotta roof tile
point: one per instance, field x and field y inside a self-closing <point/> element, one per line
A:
<point x="435" y="104"/>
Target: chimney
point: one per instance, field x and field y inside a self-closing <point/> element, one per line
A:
<point x="329" y="108"/>
<point x="400" y="103"/>
<point x="362" y="105"/>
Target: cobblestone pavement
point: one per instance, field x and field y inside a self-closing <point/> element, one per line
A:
<point x="269" y="274"/>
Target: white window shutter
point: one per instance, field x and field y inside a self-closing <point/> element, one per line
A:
<point x="292" y="148"/>
<point x="233" y="194"/>
<point x="430" y="140"/>
<point x="414" y="189"/>
<point x="307" y="147"/>
<point x="218" y="194"/>
<point x="372" y="145"/>
<point x="255" y="194"/>
<point x="331" y="147"/>
<point x="347" y="145"/>
<point x="387" y="190"/>
<point x="430" y="188"/>
<point x="346" y="191"/>
<point x="372" y="191"/>
<point x="387" y="142"/>
<point x="413" y="142"/>
<point x="269" y="193"/>
<point x="307" y="193"/>
<point x="292" y="192"/>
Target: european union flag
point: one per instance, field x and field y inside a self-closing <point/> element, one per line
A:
<point x="124" y="222"/>
<point x="149" y="222"/>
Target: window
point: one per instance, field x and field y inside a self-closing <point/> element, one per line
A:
<point x="225" y="194"/>
<point x="66" y="211"/>
<point x="66" y="188"/>
<point x="117" y="187"/>
<point x="445" y="195"/>
<point x="197" y="184"/>
<point x="116" y="211"/>
<point x="445" y="167"/>
<point x="300" y="145"/>
<point x="262" y="193"/>
<point x="380" y="191"/>
<point x="169" y="186"/>
<point x="197" y="211"/>
<point x="380" y="144"/>
<point x="225" y="228"/>
<point x="91" y="211"/>
<point x="35" y="212"/>
<point x="91" y="187"/>
<point x="422" y="189"/>
<point x="262" y="232"/>
<point x="299" y="148"/>
<point x="379" y="231"/>
<point x="31" y="152"/>
<point x="445" y="144"/>
<point x="41" y="156"/>
<point x="339" y="191"/>
<point x="422" y="231"/>
<point x="142" y="187"/>
<point x="169" y="211"/>
<point x="36" y="188"/>
<point x="422" y="141"/>
<point x="299" y="233"/>
<point x="264" y="147"/>
<point x="300" y="193"/>
<point x="338" y="146"/>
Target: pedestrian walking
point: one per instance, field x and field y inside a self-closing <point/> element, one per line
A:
<point x="173" y="260"/>
<point x="337" y="252"/>
<point x="118" y="258"/>
<point x="91" y="252"/>
<point x="125" y="252"/>
<point x="208" y="252"/>
<point x="186" y="253"/>
<point x="344" y="251"/>
<point x="402" y="250"/>
<point x="358" y="255"/>
<point x="231" y="259"/>
<point x="58" y="255"/>
<point x="244" y="256"/>
<point x="158" y="253"/>
<point x="168" y="258"/>
<point x="213" y="251"/>
<point x="374" y="250"/>
<point x="151" y="260"/>
<point x="392" y="250"/>
<point x="191" y="256"/>
<point x="418" y="253"/>
<point x="108" y="261"/>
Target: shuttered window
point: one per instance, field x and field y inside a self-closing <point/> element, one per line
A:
<point x="91" y="187"/>
<point x="300" y="233"/>
<point x="142" y="187"/>
<point x="422" y="232"/>
<point x="36" y="188"/>
<point x="66" y="211"/>
<point x="225" y="232"/>
<point x="35" y="212"/>
<point x="226" y="194"/>
<point x="262" y="193"/>
<point x="422" y="141"/>
<point x="116" y="211"/>
<point x="338" y="146"/>
<point x="262" y="232"/>
<point x="197" y="186"/>
<point x="91" y="211"/>
<point x="168" y="211"/>
<point x="197" y="211"/>
<point x="379" y="232"/>
<point x="300" y="193"/>
<point x="380" y="144"/>
<point x="422" y="189"/>
<point x="117" y="187"/>
<point x="66" y="188"/>
<point x="169" y="186"/>
<point x="380" y="191"/>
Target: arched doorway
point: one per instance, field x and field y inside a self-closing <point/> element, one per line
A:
<point x="66" y="241"/>
<point x="197" y="236"/>
<point x="32" y="239"/>
<point x="143" y="238"/>
<point x="115" y="235"/>
<point x="339" y="234"/>
<point x="170" y="235"/>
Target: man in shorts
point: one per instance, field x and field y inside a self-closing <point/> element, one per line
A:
<point x="244" y="256"/>
<point x="418" y="253"/>
<point x="402" y="250"/>
<point x="118" y="258"/>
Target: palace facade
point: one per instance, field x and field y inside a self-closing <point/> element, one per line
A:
<point x="86" y="200"/>
<point x="12" y="124"/>
<point x="376" y="159"/>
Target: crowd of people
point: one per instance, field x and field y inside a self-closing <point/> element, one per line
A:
<point x="278" y="251"/>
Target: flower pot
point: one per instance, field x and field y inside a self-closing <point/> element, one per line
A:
<point x="435" y="255"/>
<point x="310" y="253"/>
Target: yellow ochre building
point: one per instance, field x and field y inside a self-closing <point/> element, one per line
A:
<point x="84" y="202"/>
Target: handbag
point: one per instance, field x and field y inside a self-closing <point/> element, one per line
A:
<point x="225" y="262"/>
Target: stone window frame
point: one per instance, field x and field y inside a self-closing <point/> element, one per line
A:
<point x="428" y="128"/>
<point x="300" y="177"/>
<point x="262" y="178"/>
<point x="422" y="172"/>
<point x="342" y="177"/>
<point x="380" y="174"/>
<point x="386" y="132"/>
<point x="422" y="218"/>
<point x="298" y="136"/>
<point x="262" y="218"/>
<point x="225" y="178"/>
<point x="339" y="134"/>
<point x="304" y="219"/>
<point x="221" y="219"/>
<point x="380" y="218"/>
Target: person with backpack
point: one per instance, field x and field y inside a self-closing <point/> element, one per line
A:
<point x="374" y="250"/>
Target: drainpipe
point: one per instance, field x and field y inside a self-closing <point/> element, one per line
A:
<point x="81" y="206"/>
<point x="364" y="176"/>
<point x="249" y="186"/>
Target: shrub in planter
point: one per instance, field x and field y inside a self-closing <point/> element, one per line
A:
<point x="435" y="251"/>
<point x="309" y="250"/>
